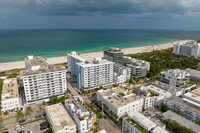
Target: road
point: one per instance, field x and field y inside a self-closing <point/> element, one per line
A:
<point x="104" y="124"/>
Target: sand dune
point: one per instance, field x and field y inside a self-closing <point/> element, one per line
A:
<point x="62" y="59"/>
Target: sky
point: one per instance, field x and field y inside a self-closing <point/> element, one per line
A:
<point x="100" y="14"/>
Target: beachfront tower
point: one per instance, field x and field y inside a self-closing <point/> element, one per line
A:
<point x="41" y="80"/>
<point x="114" y="55"/>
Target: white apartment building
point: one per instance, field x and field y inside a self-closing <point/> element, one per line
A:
<point x="139" y="68"/>
<point x="173" y="76"/>
<point x="59" y="119"/>
<point x="10" y="97"/>
<point x="189" y="111"/>
<point x="73" y="58"/>
<point x="193" y="97"/>
<point x="82" y="117"/>
<point x="94" y="73"/>
<point x="188" y="49"/>
<point x="41" y="80"/>
<point x="138" y="123"/>
<point x="119" y="104"/>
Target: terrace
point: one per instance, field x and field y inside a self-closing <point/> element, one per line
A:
<point x="134" y="124"/>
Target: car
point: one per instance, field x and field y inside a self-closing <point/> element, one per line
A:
<point x="43" y="126"/>
<point x="21" y="121"/>
<point x="38" y="116"/>
<point x="29" y="132"/>
<point x="21" y="132"/>
<point x="5" y="132"/>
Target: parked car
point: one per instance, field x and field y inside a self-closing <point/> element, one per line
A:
<point x="21" y="121"/>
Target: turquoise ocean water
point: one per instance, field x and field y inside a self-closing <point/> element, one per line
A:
<point x="15" y="45"/>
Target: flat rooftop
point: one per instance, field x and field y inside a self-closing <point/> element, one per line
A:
<point x="196" y="91"/>
<point x="94" y="62"/>
<point x="80" y="56"/>
<point x="40" y="62"/>
<point x="184" y="104"/>
<point x="59" y="116"/>
<point x="114" y="97"/>
<point x="159" y="130"/>
<point x="158" y="90"/>
<point x="182" y="121"/>
<point x="10" y="89"/>
<point x="121" y="66"/>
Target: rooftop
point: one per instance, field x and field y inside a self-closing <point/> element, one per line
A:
<point x="184" y="104"/>
<point x="114" y="50"/>
<point x="95" y="62"/>
<point x="142" y="120"/>
<point x="10" y="89"/>
<point x="59" y="116"/>
<point x="159" y="130"/>
<point x="196" y="91"/>
<point x="177" y="73"/>
<point x="158" y="90"/>
<point x="181" y="120"/>
<point x="114" y="96"/>
<point x="80" y="56"/>
<point x="38" y="65"/>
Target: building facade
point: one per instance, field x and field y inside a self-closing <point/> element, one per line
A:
<point x="114" y="55"/>
<point x="173" y="77"/>
<point x="41" y="80"/>
<point x="119" y="102"/>
<point x="82" y="117"/>
<point x="94" y="73"/>
<point x="121" y="73"/>
<point x="193" y="97"/>
<point x="59" y="119"/>
<point x="10" y="97"/>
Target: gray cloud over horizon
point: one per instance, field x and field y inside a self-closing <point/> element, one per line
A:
<point x="35" y="13"/>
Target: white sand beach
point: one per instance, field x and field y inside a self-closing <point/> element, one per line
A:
<point x="62" y="59"/>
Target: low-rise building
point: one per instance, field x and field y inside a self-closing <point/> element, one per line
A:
<point x="181" y="120"/>
<point x="176" y="91"/>
<point x="195" y="74"/>
<point x="94" y="73"/>
<point x="41" y="80"/>
<point x="174" y="77"/>
<point x="139" y="68"/>
<point x="59" y="119"/>
<point x="138" y="123"/>
<point x="188" y="110"/>
<point x="10" y="97"/>
<point x="82" y="117"/>
<point x="193" y="97"/>
<point x="119" y="101"/>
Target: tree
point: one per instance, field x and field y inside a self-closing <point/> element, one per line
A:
<point x="19" y="115"/>
<point x="122" y="94"/>
<point x="1" y="119"/>
<point x="29" y="110"/>
<point x="96" y="124"/>
<point x="43" y="103"/>
<point x="40" y="110"/>
<point x="53" y="100"/>
<point x="164" y="107"/>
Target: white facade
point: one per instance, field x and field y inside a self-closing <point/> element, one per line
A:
<point x="84" y="119"/>
<point x="188" y="49"/>
<point x="118" y="78"/>
<point x="10" y="96"/>
<point x="193" y="97"/>
<point x="189" y="111"/>
<point x="118" y="104"/>
<point x="42" y="81"/>
<point x="173" y="76"/>
<point x="73" y="58"/>
<point x="94" y="73"/>
<point x="59" y="119"/>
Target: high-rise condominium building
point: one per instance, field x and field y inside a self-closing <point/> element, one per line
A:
<point x="188" y="49"/>
<point x="41" y="80"/>
<point x="94" y="73"/>
<point x="114" y="55"/>
<point x="73" y="58"/>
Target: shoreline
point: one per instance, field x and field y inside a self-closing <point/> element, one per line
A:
<point x="62" y="59"/>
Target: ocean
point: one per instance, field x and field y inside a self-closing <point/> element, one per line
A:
<point x="15" y="45"/>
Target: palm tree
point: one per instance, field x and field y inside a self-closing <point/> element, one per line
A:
<point x="29" y="110"/>
<point x="1" y="119"/>
<point x="40" y="110"/>
<point x="19" y="114"/>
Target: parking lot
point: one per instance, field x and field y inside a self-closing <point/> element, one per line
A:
<point x="34" y="127"/>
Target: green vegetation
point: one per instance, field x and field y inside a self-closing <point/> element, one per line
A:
<point x="29" y="110"/>
<point x="193" y="81"/>
<point x="19" y="115"/>
<point x="168" y="61"/>
<point x="42" y="118"/>
<point x="11" y="73"/>
<point x="164" y="107"/>
<point x="91" y="108"/>
<point x="175" y="127"/>
<point x="4" y="129"/>
<point x="122" y="94"/>
<point x="113" y="115"/>
<point x="136" y="125"/>
<point x="63" y="64"/>
<point x="55" y="100"/>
